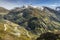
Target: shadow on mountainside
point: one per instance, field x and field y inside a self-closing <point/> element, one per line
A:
<point x="48" y="36"/>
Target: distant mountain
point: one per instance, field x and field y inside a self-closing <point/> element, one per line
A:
<point x="58" y="8"/>
<point x="3" y="11"/>
<point x="58" y="12"/>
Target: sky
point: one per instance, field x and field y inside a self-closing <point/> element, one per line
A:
<point x="9" y="4"/>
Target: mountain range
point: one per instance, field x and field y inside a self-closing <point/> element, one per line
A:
<point x="29" y="22"/>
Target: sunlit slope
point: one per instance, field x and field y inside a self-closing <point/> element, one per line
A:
<point x="12" y="31"/>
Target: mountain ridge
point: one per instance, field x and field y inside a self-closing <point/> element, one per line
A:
<point x="30" y="22"/>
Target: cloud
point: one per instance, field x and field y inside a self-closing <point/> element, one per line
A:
<point x="17" y="3"/>
<point x="8" y="5"/>
<point x="54" y="5"/>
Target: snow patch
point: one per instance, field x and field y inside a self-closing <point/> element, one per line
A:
<point x="41" y="8"/>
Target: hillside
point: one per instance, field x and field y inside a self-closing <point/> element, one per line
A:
<point x="12" y="31"/>
<point x="28" y="23"/>
<point x="3" y="11"/>
<point x="34" y="19"/>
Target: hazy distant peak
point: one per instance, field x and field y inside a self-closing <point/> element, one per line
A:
<point x="3" y="11"/>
